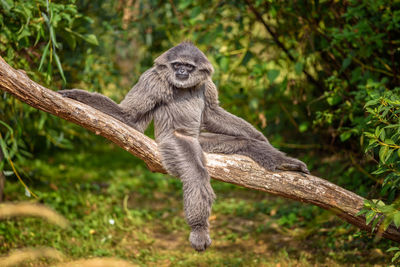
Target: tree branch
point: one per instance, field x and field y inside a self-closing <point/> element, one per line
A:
<point x="233" y="169"/>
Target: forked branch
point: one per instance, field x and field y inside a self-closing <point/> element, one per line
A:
<point x="234" y="169"/>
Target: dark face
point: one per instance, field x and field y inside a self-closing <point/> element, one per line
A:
<point x="184" y="66"/>
<point x="182" y="70"/>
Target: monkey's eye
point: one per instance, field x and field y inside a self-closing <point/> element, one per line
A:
<point x="189" y="67"/>
<point x="176" y="65"/>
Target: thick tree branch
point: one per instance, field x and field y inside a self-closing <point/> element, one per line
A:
<point x="234" y="169"/>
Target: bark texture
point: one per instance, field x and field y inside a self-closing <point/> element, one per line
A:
<point x="234" y="169"/>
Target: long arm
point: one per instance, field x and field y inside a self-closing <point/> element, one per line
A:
<point x="137" y="107"/>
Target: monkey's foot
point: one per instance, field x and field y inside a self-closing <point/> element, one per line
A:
<point x="67" y="92"/>
<point x="291" y="164"/>
<point x="77" y="94"/>
<point x="200" y="239"/>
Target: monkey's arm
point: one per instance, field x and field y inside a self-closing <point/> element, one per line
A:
<point x="95" y="100"/>
<point x="136" y="109"/>
<point x="218" y="120"/>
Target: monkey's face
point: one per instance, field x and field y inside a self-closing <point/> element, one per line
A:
<point x="185" y="74"/>
<point x="182" y="70"/>
<point x="184" y="66"/>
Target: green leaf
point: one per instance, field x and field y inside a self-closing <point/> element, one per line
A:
<point x="303" y="127"/>
<point x="7" y="126"/>
<point x="369" y="216"/>
<point x="184" y="4"/>
<point x="45" y="51"/>
<point x="60" y="69"/>
<point x="393" y="249"/>
<point x="4" y="148"/>
<point x="380" y="203"/>
<point x="195" y="12"/>
<point x="367" y="203"/>
<point x="53" y="37"/>
<point x="334" y="99"/>
<point x="91" y="39"/>
<point x="71" y="40"/>
<point x="361" y="212"/>
<point x="346" y="62"/>
<point x="382" y="134"/>
<point x="396" y="256"/>
<point x="382" y="153"/>
<point x="376" y="220"/>
<point x="396" y="219"/>
<point x="388" y="154"/>
<point x="389" y="141"/>
<point x="272" y="75"/>
<point x="393" y="126"/>
<point x="5" y="5"/>
<point x="344" y="136"/>
<point x="377" y="131"/>
<point x="224" y="63"/>
<point x="386" y="223"/>
<point x="298" y="68"/>
<point x="247" y="58"/>
<point x="372" y="102"/>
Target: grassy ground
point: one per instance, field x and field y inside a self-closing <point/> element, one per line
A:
<point x="119" y="209"/>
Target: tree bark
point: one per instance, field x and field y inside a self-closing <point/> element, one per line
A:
<point x="235" y="169"/>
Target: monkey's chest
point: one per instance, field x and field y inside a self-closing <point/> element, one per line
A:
<point x="183" y="113"/>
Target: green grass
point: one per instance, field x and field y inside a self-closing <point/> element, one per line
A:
<point x="117" y="208"/>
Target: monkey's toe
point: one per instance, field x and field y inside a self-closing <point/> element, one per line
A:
<point x="200" y="240"/>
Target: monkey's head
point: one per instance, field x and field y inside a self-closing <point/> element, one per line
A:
<point x="184" y="65"/>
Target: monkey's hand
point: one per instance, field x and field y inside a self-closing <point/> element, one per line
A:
<point x="200" y="239"/>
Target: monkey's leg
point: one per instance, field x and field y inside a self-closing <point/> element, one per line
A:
<point x="261" y="152"/>
<point x="182" y="156"/>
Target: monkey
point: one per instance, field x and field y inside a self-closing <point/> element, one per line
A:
<point x="178" y="94"/>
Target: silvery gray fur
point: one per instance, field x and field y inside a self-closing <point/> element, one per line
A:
<point x="179" y="95"/>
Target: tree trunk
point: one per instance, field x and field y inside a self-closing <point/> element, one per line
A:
<point x="235" y="169"/>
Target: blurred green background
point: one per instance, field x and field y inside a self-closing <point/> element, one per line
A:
<point x="319" y="78"/>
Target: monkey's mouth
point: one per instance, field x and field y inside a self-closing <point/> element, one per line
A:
<point x="182" y="77"/>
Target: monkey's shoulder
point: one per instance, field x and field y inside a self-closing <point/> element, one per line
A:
<point x="152" y="84"/>
<point x="211" y="93"/>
